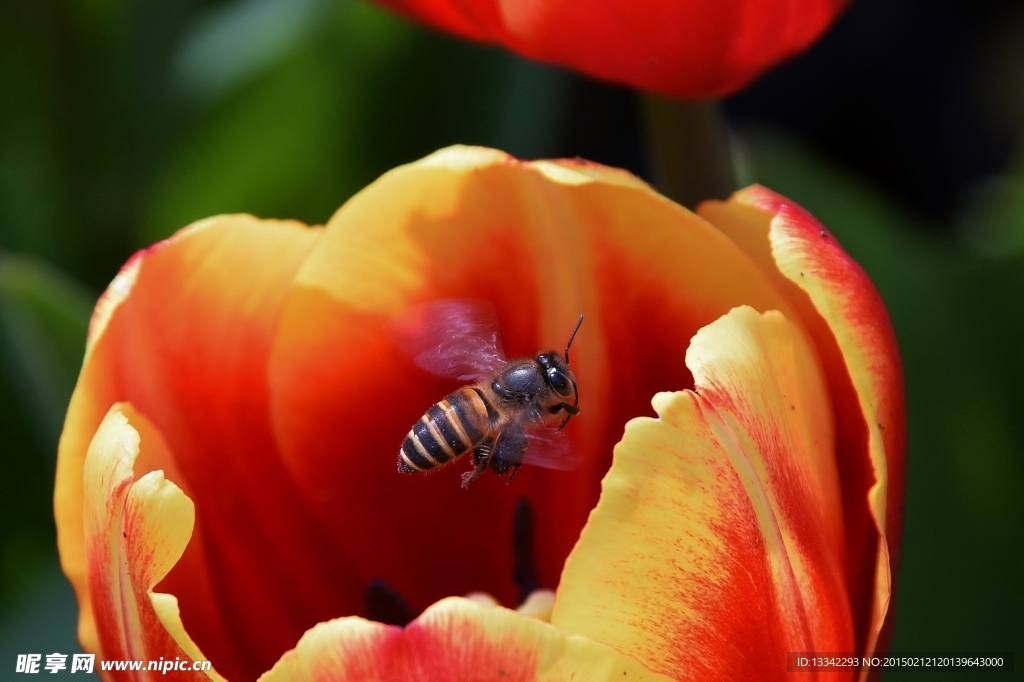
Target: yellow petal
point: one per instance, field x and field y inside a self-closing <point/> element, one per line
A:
<point x="848" y="322"/>
<point x="135" y="531"/>
<point x="717" y="545"/>
<point x="538" y="605"/>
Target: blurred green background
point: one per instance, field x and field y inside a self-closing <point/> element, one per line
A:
<point x="124" y="120"/>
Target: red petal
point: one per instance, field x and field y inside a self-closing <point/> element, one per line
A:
<point x="689" y="48"/>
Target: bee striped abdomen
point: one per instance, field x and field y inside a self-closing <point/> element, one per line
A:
<point x="448" y="430"/>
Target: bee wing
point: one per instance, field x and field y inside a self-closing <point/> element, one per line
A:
<point x="454" y="338"/>
<point x="549" y="448"/>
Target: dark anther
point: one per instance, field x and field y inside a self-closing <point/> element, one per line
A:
<point x="384" y="605"/>
<point x="525" y="570"/>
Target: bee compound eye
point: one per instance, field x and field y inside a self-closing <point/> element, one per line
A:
<point x="558" y="381"/>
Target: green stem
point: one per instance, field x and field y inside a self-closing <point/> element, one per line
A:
<point x="688" y="144"/>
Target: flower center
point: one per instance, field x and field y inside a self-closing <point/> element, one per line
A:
<point x="385" y="605"/>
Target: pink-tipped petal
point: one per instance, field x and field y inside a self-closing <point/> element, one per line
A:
<point x="455" y="639"/>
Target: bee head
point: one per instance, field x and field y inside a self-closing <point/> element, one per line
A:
<point x="557" y="374"/>
<point x="560" y="378"/>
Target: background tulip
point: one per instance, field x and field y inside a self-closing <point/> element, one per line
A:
<point x="240" y="370"/>
<point x="687" y="49"/>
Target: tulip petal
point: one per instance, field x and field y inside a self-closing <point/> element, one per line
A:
<point x="136" y="530"/>
<point x="115" y="294"/>
<point x="687" y="49"/>
<point x="455" y="639"/>
<point x="182" y="334"/>
<point x="543" y="242"/>
<point x="847" y="319"/>
<point x="717" y="545"/>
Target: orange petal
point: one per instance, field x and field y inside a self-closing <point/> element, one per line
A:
<point x="135" y="530"/>
<point x="544" y="242"/>
<point x="718" y="544"/>
<point x="183" y="335"/>
<point x="851" y="329"/>
<point x="455" y="639"/>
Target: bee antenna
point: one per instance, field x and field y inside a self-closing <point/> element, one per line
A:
<point x="571" y="337"/>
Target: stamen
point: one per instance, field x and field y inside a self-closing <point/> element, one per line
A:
<point x="538" y="605"/>
<point x="385" y="605"/>
<point x="524" y="571"/>
<point x="482" y="599"/>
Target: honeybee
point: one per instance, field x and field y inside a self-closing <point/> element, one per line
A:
<point x="510" y="413"/>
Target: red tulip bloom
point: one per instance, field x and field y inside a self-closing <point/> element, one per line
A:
<point x="227" y="484"/>
<point x="685" y="48"/>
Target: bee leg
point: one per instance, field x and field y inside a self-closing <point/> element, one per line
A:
<point x="572" y="410"/>
<point x="471" y="476"/>
<point x="481" y="459"/>
<point x="509" y="452"/>
<point x="482" y="454"/>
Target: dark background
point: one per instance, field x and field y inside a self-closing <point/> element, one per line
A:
<point x="124" y="120"/>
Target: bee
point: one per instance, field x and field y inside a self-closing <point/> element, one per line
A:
<point x="507" y="416"/>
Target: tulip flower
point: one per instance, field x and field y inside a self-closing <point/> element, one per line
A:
<point x="227" y="484"/>
<point x="680" y="48"/>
